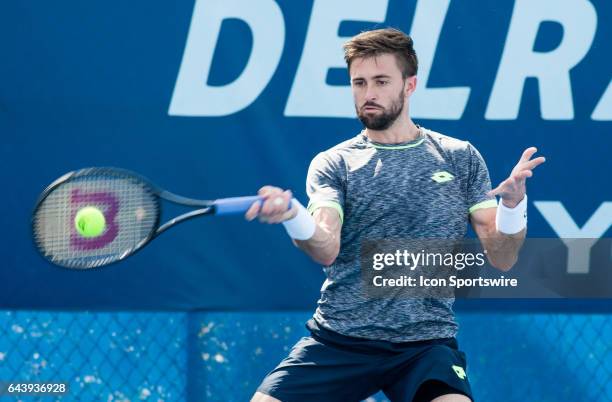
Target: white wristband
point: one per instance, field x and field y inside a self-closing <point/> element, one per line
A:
<point x="511" y="220"/>
<point x="302" y="226"/>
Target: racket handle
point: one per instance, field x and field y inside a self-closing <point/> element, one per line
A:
<point x="236" y="205"/>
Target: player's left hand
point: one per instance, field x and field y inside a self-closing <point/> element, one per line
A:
<point x="513" y="189"/>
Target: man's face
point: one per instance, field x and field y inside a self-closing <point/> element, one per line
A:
<point x="379" y="91"/>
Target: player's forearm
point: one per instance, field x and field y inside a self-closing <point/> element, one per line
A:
<point x="317" y="235"/>
<point x="323" y="247"/>
<point x="503" y="249"/>
<point x="508" y="233"/>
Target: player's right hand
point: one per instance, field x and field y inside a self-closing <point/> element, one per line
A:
<point x="273" y="208"/>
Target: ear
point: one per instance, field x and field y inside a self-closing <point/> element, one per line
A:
<point x="411" y="83"/>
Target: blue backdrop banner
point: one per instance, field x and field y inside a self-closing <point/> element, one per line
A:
<point x="216" y="98"/>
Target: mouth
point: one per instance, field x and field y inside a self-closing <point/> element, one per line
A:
<point x="370" y="108"/>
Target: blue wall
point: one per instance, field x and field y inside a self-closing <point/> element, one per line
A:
<point x="217" y="98"/>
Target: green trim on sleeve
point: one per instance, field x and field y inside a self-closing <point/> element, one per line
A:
<point x="482" y="205"/>
<point x="330" y="204"/>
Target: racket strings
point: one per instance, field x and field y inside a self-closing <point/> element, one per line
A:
<point x="130" y="208"/>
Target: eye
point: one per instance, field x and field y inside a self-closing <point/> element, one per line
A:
<point x="382" y="82"/>
<point x="358" y="83"/>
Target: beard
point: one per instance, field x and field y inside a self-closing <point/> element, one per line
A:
<point x="386" y="118"/>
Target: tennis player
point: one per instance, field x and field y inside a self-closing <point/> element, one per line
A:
<point x="394" y="179"/>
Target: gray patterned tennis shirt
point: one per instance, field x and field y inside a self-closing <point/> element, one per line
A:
<point x="422" y="189"/>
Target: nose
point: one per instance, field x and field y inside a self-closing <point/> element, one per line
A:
<point x="371" y="94"/>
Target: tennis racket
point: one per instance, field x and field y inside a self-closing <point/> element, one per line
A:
<point x="130" y="207"/>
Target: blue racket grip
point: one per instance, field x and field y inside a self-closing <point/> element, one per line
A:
<point x="236" y="205"/>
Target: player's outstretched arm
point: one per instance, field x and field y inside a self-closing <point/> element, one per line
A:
<point x="321" y="241"/>
<point x="502" y="230"/>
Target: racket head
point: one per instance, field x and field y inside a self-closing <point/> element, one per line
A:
<point x="129" y="203"/>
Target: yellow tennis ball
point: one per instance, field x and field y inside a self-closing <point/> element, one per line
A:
<point x="89" y="222"/>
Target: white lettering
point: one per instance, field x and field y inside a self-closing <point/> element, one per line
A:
<point x="519" y="61"/>
<point x="192" y="97"/>
<point x="578" y="258"/>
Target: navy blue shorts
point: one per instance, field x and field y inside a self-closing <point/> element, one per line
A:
<point x="330" y="367"/>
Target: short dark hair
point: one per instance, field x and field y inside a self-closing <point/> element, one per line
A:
<point x="383" y="41"/>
